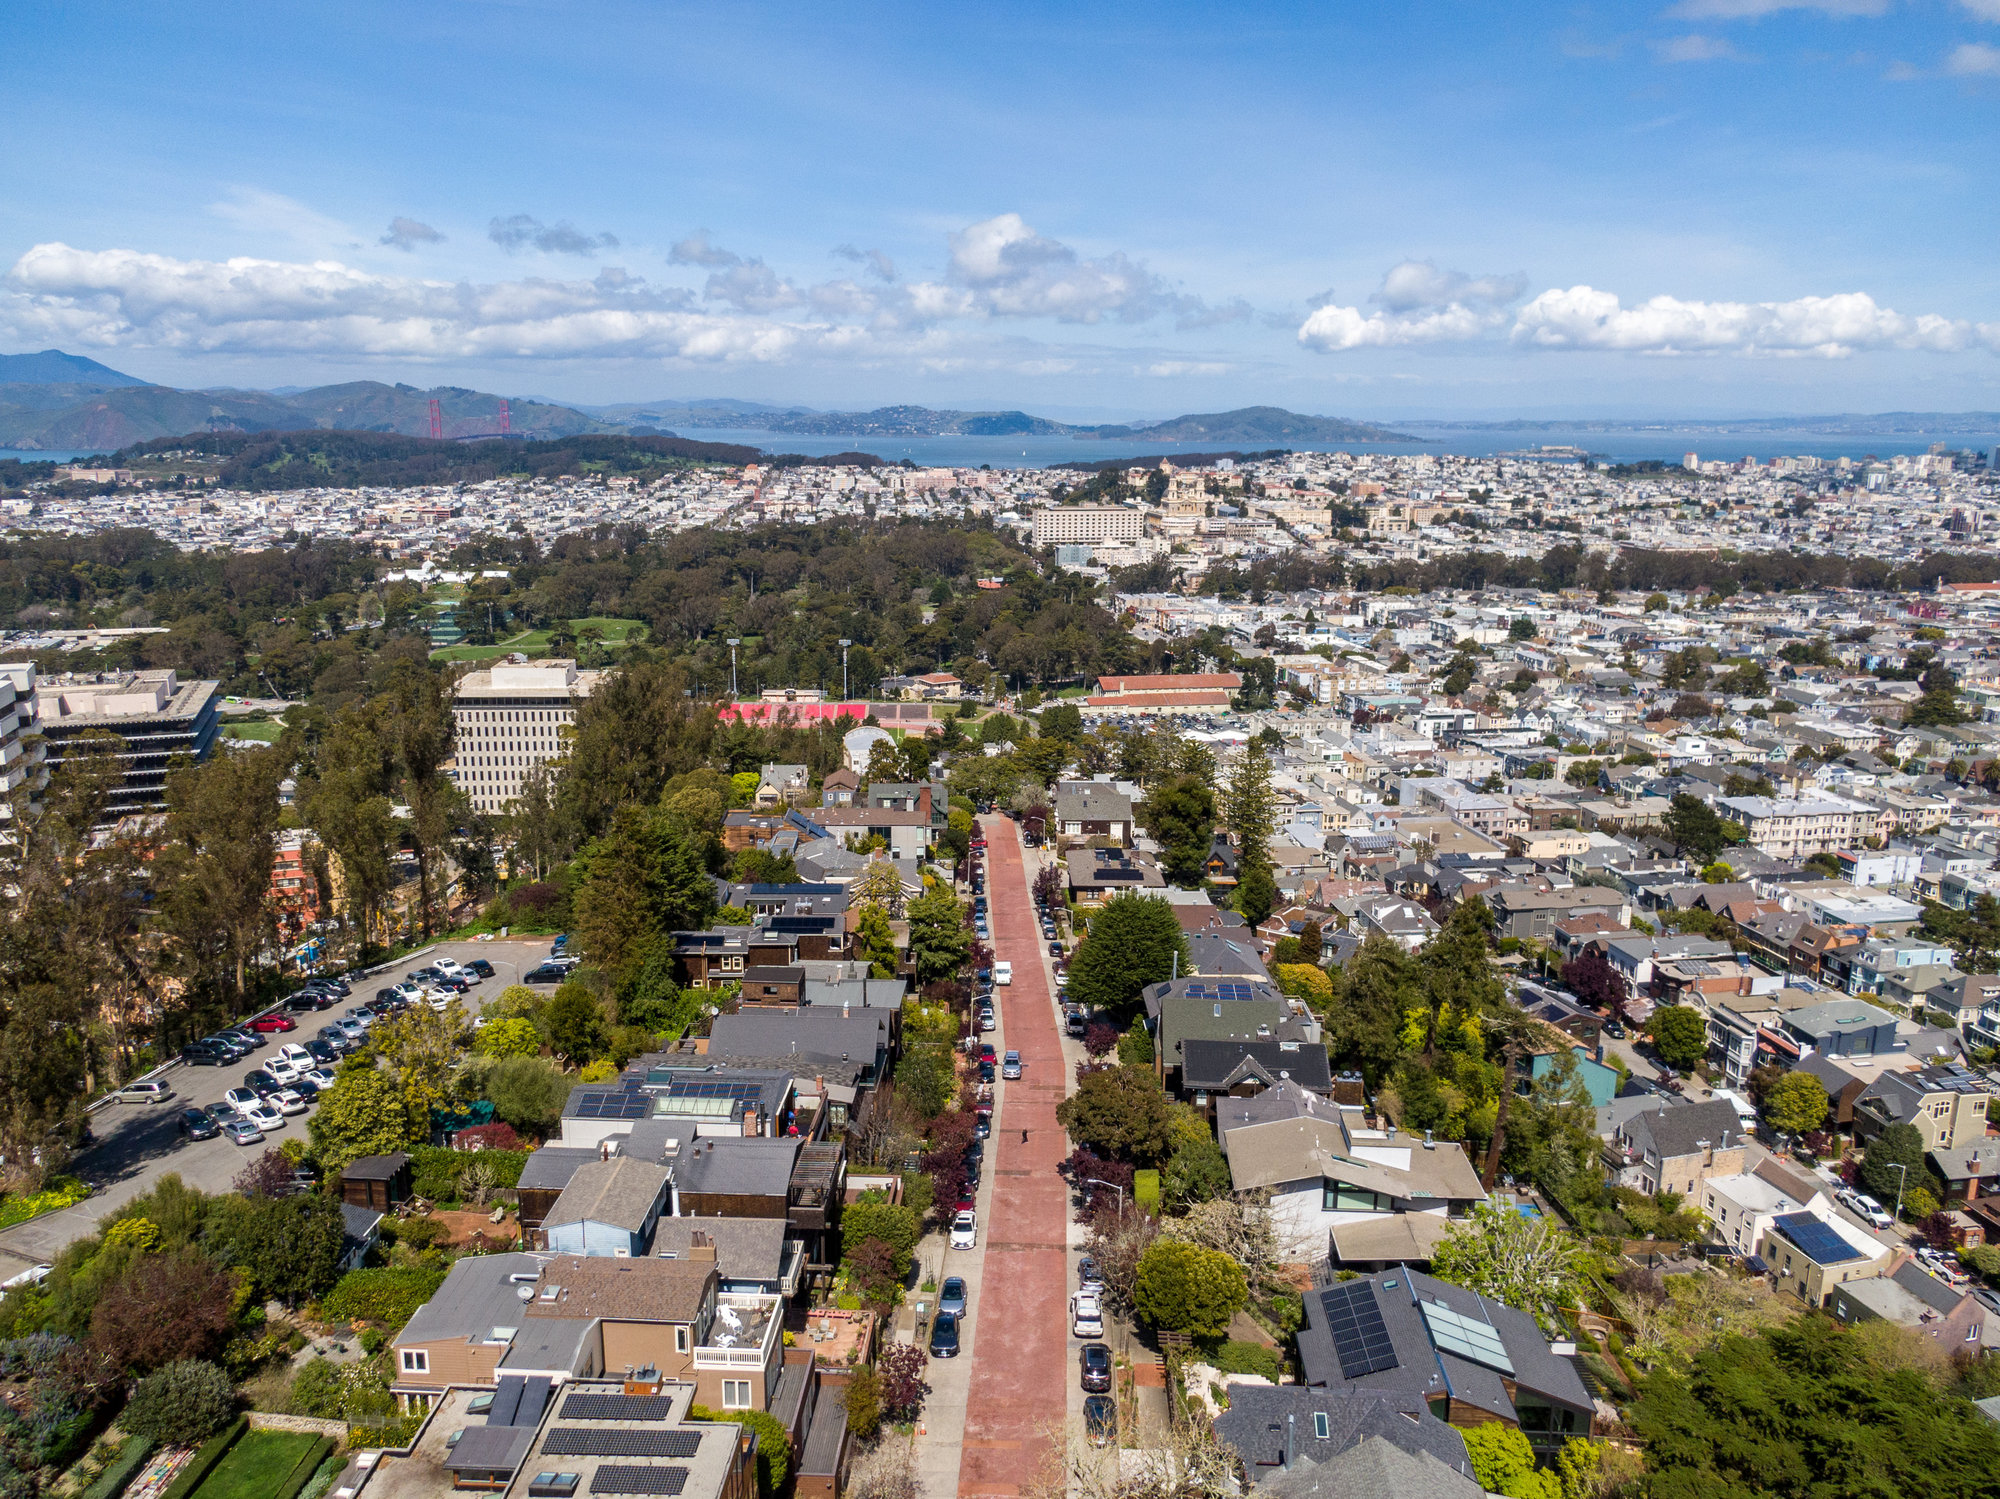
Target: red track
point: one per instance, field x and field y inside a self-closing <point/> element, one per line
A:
<point x="1020" y="1362"/>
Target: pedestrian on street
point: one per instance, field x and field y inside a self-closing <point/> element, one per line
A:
<point x="1024" y="1137"/>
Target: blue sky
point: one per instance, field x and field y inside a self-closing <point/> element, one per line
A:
<point x="1695" y="207"/>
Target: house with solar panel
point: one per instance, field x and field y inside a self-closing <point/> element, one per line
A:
<point x="1811" y="1255"/>
<point x="1470" y="1359"/>
<point x="698" y="1101"/>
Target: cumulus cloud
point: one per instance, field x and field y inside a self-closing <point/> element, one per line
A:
<point x="1985" y="10"/>
<point x="1419" y="283"/>
<point x="1004" y="268"/>
<point x="1582" y="317"/>
<point x="878" y="264"/>
<point x="1973" y="60"/>
<point x="1696" y="49"/>
<point x="700" y="249"/>
<point x="407" y="234"/>
<point x="523" y="231"/>
<point x="1420" y="304"/>
<point x="1751" y="10"/>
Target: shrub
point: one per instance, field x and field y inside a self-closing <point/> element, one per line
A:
<point x="181" y="1404"/>
<point x="864" y="1403"/>
<point x="497" y="1138"/>
<point x="774" y="1444"/>
<point x="1185" y="1288"/>
<point x="203" y="1462"/>
<point x="1238" y="1357"/>
<point x="388" y="1296"/>
<point x="1306" y="981"/>
<point x="121" y="1469"/>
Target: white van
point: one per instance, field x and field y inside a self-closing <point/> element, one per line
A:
<point x="1003" y="973"/>
<point x="1086" y="1315"/>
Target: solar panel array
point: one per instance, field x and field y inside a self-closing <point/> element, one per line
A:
<point x="1465" y="1336"/>
<point x="1816" y="1239"/>
<point x="631" y="1480"/>
<point x="615" y="1441"/>
<point x="624" y="1104"/>
<point x="741" y="1090"/>
<point x="1221" y="991"/>
<point x="618" y="1408"/>
<point x="1360" y="1338"/>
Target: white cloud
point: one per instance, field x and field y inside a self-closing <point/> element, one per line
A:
<point x="1171" y="368"/>
<point x="1582" y="317"/>
<point x="523" y="231"/>
<point x="1973" y="60"/>
<point x="1421" y="304"/>
<point x="1985" y="10"/>
<point x="1419" y="283"/>
<point x="1011" y="271"/>
<point x="1751" y="10"/>
<point x="1696" y="49"/>
<point x="879" y="265"/>
<point x="407" y="234"/>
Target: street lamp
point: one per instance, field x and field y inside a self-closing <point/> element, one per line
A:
<point x="1902" y="1181"/>
<point x="1098" y="1181"/>
<point x="844" y="644"/>
<point x="734" y="641"/>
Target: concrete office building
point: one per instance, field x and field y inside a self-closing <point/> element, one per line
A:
<point x="1075" y="525"/>
<point x="154" y="715"/>
<point x="510" y="719"/>
<point x="23" y="751"/>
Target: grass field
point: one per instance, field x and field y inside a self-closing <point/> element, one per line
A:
<point x="256" y="1466"/>
<point x="617" y="633"/>
<point x="263" y="733"/>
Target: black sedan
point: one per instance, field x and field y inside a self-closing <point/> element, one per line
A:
<point x="944" y="1336"/>
<point x="1100" y="1420"/>
<point x="1095" y="1361"/>
<point x="200" y="1054"/>
<point x="196" y="1125"/>
<point x="481" y="967"/>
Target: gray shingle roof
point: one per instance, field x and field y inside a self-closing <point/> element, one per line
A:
<point x="1259" y="1417"/>
<point x="621" y="1192"/>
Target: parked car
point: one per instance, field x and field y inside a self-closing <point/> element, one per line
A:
<point x="201" y="1054"/>
<point x="944" y="1336"/>
<point x="242" y="1098"/>
<point x="1100" y="1420"/>
<point x="965" y="1233"/>
<point x="481" y="967"/>
<point x="263" y="1116"/>
<point x="296" y="1054"/>
<point x="242" y="1132"/>
<point x="245" y="1036"/>
<point x="281" y="1071"/>
<point x="294" y="1100"/>
<point x="273" y="1021"/>
<point x="1614" y="1030"/>
<point x="951" y="1296"/>
<point x="303" y="1003"/>
<point x="1074" y="1021"/>
<point x="1870" y="1211"/>
<point x="1086" y="1315"/>
<point x="318" y="1078"/>
<point x="1010" y="1065"/>
<point x="986" y="1072"/>
<point x="148" y="1090"/>
<point x="1095" y="1363"/>
<point x="196" y="1125"/>
<point x="986" y="1021"/>
<point x="1087" y="1273"/>
<point x="323" y="1053"/>
<point x="545" y="973"/>
<point x="1003" y="973"/>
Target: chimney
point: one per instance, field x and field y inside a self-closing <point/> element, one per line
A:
<point x="701" y="1246"/>
<point x="604" y="1150"/>
<point x="750" y="1120"/>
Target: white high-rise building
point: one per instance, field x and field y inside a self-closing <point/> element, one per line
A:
<point x="510" y="719"/>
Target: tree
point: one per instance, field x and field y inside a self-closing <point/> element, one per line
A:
<point x="1134" y="940"/>
<point x="1256" y="891"/>
<point x="874" y="942"/>
<point x="1592" y="979"/>
<point x="880" y="883"/>
<point x="288" y="1247"/>
<point x="1523" y="628"/>
<point x="645" y="876"/>
<point x="1251" y="817"/>
<point x="863" y="1403"/>
<point x="1180" y="814"/>
<point x="1373" y="993"/>
<point x="1696" y="830"/>
<point x="1900" y="1145"/>
<point x="901" y="1367"/>
<point x="166" y="1308"/>
<point x="509" y="1036"/>
<point x="926" y="1078"/>
<point x="361" y="1114"/>
<point x="1119" y="1111"/>
<point x="1803" y="1410"/>
<point x="213" y="870"/>
<point x="573" y="1021"/>
<point x="872" y="1217"/>
<point x="1796" y="1103"/>
<point x="528" y="1093"/>
<point x="182" y="1405"/>
<point x="421" y="1048"/>
<point x="940" y="941"/>
<point x="1680" y="1036"/>
<point x="1525" y="1262"/>
<point x="1063" y="721"/>
<point x="1184" y="1288"/>
<point x="1504" y="1463"/>
<point x="1197" y="1172"/>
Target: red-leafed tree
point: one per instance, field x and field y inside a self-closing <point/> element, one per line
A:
<point x="167" y="1308"/>
<point x="1593" y="980"/>
<point x="901" y="1370"/>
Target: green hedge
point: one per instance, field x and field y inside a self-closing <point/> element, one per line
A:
<point x="1240" y="1357"/>
<point x="1146" y="1190"/>
<point x="435" y="1168"/>
<point x="121" y="1469"/>
<point x="204" y="1461"/>
<point x="390" y="1296"/>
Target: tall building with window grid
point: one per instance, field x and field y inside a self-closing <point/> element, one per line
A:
<point x="511" y="718"/>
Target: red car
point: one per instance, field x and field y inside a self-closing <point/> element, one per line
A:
<point x="274" y="1022"/>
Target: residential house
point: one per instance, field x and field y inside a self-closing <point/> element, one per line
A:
<point x="1677" y="1147"/>
<point x="1292" y="1442"/>
<point x="1093" y="813"/>
<point x="752" y="1255"/>
<point x="1794" y="829"/>
<point x="1096" y="875"/>
<point x="1206" y="1009"/>
<point x="1740" y="1208"/>
<point x="464" y="1333"/>
<point x="608" y="1208"/>
<point x="1472" y="1359"/>
<point x="1231" y="1068"/>
<point x="1960" y="1323"/>
<point x="778" y="785"/>
<point x="1812" y="1255"/>
<point x="1947" y="1105"/>
<point x="1530" y="913"/>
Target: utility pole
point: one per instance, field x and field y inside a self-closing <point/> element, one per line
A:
<point x="734" y="641"/>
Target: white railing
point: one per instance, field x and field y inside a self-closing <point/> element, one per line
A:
<point x="730" y="1358"/>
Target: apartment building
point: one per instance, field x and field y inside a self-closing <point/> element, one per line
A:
<point x="510" y="719"/>
<point x="154" y="715"/>
<point x="1075" y="525"/>
<point x="1795" y="829"/>
<point x="23" y="752"/>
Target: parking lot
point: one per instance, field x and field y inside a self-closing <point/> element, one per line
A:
<point x="137" y="1144"/>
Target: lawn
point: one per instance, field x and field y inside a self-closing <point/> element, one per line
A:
<point x="617" y="634"/>
<point x="257" y="1466"/>
<point x="263" y="733"/>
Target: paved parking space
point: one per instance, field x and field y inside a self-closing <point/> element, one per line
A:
<point x="138" y="1144"/>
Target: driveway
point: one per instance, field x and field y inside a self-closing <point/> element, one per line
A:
<point x="138" y="1144"/>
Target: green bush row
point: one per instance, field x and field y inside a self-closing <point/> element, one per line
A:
<point x="303" y="1470"/>
<point x="435" y="1168"/>
<point x="120" y="1470"/>
<point x="203" y="1462"/>
<point x="389" y="1295"/>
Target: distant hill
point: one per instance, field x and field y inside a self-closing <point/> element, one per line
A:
<point x="1264" y="426"/>
<point x="54" y="367"/>
<point x="1257" y="426"/>
<point x="89" y="417"/>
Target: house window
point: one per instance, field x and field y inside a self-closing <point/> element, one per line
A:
<point x="680" y="1340"/>
<point x="1341" y="1198"/>
<point x="416" y="1361"/>
<point x="1320" y="1425"/>
<point x="736" y="1394"/>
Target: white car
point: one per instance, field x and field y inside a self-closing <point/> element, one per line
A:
<point x="1003" y="973"/>
<point x="264" y="1117"/>
<point x="1086" y="1315"/>
<point x="298" y="1056"/>
<point x="287" y="1102"/>
<point x="986" y="1021"/>
<point x="319" y="1077"/>
<point x="283" y="1069"/>
<point x="1870" y="1211"/>
<point x="964" y="1231"/>
<point x="449" y="967"/>
<point x="240" y="1099"/>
